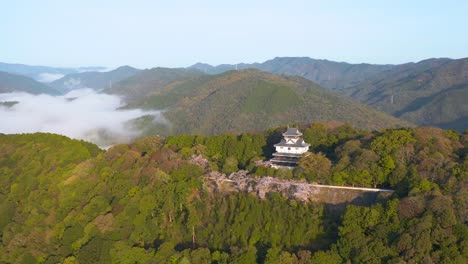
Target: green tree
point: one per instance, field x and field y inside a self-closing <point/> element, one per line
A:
<point x="390" y="141"/>
<point x="317" y="165"/>
<point x="231" y="165"/>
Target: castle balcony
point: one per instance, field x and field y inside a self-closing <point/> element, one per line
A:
<point x="291" y="155"/>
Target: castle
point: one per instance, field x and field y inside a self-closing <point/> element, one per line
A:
<point x="290" y="150"/>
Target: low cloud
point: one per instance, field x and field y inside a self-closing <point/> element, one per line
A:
<point x="49" y="77"/>
<point x="82" y="114"/>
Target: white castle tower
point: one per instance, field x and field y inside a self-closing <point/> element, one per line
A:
<point x="290" y="150"/>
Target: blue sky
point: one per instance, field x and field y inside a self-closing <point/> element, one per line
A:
<point x="177" y="33"/>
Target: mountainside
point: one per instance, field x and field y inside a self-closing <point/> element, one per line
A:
<point x="329" y="74"/>
<point x="254" y="100"/>
<point x="17" y="83"/>
<point x="149" y="82"/>
<point x="42" y="73"/>
<point x="94" y="80"/>
<point x="208" y="199"/>
<point x="431" y="92"/>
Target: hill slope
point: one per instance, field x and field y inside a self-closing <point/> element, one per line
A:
<point x="255" y="100"/>
<point x="17" y="83"/>
<point x="431" y="92"/>
<point x="94" y="80"/>
<point x="329" y="74"/>
<point x="66" y="201"/>
<point x="148" y="82"/>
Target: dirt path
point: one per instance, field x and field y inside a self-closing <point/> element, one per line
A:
<point x="352" y="188"/>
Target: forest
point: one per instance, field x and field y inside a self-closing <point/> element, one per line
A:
<point x="67" y="201"/>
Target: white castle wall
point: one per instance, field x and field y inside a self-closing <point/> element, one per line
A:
<point x="292" y="150"/>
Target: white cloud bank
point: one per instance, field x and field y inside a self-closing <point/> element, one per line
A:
<point x="82" y="114"/>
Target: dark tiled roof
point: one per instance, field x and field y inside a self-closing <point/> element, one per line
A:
<point x="292" y="131"/>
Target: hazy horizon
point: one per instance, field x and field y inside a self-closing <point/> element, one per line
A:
<point x="52" y="77"/>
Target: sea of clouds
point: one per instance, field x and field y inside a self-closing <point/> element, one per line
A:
<point x="81" y="114"/>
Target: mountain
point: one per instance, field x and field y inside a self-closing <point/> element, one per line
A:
<point x="151" y="81"/>
<point x="254" y="100"/>
<point x="43" y="73"/>
<point x="431" y="92"/>
<point x="18" y="83"/>
<point x="209" y="199"/>
<point x="329" y="74"/>
<point x="95" y="80"/>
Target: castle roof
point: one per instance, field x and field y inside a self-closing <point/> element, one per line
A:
<point x="292" y="131"/>
<point x="298" y="144"/>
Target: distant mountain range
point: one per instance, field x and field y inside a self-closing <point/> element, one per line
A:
<point x="43" y="73"/>
<point x="431" y="92"/>
<point x="18" y="83"/>
<point x="329" y="74"/>
<point x="92" y="79"/>
<point x="246" y="100"/>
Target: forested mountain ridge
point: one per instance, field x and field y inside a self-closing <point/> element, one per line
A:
<point x="239" y="101"/>
<point x="18" y="83"/>
<point x="151" y="81"/>
<point x="329" y="74"/>
<point x="431" y="92"/>
<point x="94" y="80"/>
<point x="66" y="201"/>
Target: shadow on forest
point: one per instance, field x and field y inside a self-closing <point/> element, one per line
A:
<point x="272" y="139"/>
